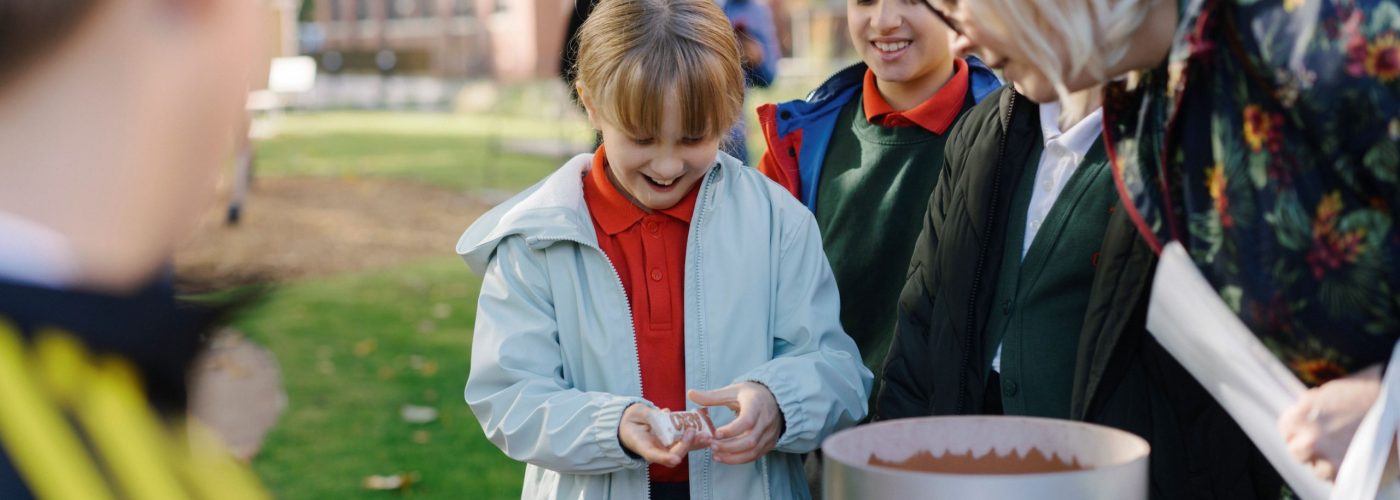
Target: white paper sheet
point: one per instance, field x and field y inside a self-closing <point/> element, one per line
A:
<point x="1190" y="320"/>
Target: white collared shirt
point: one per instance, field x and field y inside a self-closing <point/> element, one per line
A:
<point x="34" y="254"/>
<point x="1063" y="153"/>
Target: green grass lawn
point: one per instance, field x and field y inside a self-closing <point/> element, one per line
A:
<point x="458" y="151"/>
<point x="353" y="350"/>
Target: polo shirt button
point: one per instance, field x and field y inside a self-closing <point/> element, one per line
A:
<point x="650" y="226"/>
<point x="1008" y="388"/>
<point x="656" y="275"/>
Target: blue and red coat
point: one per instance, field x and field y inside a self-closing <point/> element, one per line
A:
<point x="799" y="131"/>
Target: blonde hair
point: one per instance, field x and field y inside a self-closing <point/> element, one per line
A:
<point x="1094" y="33"/>
<point x="632" y="54"/>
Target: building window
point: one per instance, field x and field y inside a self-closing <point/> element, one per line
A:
<point x="464" y="8"/>
<point x="406" y="9"/>
<point x="362" y="10"/>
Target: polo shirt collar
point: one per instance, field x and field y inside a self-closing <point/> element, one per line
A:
<point x="936" y="114"/>
<point x="613" y="211"/>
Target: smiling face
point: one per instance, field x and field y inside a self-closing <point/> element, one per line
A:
<point x="655" y="171"/>
<point x="900" y="40"/>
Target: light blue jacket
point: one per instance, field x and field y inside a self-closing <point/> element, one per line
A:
<point x="554" y="360"/>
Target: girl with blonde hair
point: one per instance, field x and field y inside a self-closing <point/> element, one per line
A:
<point x="658" y="273"/>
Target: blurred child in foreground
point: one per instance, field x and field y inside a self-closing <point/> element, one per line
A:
<point x="114" y="119"/>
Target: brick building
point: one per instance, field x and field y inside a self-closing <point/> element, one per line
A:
<point x="507" y="40"/>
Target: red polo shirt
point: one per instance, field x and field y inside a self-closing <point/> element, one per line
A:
<point x="648" y="252"/>
<point x="935" y="114"/>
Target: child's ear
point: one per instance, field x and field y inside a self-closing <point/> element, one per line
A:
<point x="587" y="104"/>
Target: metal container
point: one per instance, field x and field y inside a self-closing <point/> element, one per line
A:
<point x="1114" y="461"/>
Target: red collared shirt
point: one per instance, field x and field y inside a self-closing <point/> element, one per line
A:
<point x="648" y="252"/>
<point x="934" y="115"/>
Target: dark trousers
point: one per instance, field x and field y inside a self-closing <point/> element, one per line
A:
<point x="670" y="491"/>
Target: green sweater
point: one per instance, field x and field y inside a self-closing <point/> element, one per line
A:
<point x="1040" y="300"/>
<point x="871" y="198"/>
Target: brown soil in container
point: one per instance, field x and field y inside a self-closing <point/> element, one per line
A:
<point x="1035" y="462"/>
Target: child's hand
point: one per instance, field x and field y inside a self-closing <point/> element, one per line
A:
<point x="756" y="428"/>
<point x="636" y="436"/>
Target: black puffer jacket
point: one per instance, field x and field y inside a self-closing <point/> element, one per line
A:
<point x="1122" y="379"/>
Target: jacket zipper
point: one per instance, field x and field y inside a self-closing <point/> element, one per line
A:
<point x="704" y="368"/>
<point x="704" y="365"/>
<point x="763" y="470"/>
<point x="968" y="333"/>
<point x="637" y="356"/>
<point x="636" y="352"/>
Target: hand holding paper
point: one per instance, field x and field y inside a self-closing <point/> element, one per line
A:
<point x="1188" y="318"/>
<point x="1321" y="424"/>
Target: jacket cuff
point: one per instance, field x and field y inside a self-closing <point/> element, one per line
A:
<point x="796" y="428"/>
<point x="605" y="432"/>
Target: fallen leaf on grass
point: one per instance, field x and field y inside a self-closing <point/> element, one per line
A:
<point x="414" y="414"/>
<point x="366" y="347"/>
<point x="442" y="310"/>
<point x="424" y="366"/>
<point x="386" y="373"/>
<point x="421" y="437"/>
<point x="402" y="482"/>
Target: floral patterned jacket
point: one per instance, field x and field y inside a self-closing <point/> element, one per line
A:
<point x="1268" y="145"/>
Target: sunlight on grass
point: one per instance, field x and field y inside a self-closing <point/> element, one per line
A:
<point x="354" y="349"/>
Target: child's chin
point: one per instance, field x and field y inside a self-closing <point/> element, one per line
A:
<point x="660" y="206"/>
<point x="890" y="72"/>
<point x="1037" y="91"/>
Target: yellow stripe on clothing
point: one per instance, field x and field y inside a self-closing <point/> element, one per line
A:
<point x="34" y="433"/>
<point x="127" y="433"/>
<point x="62" y="361"/>
<point x="212" y="471"/>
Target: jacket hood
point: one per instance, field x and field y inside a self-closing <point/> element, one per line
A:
<point x="551" y="210"/>
<point x="554" y="207"/>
